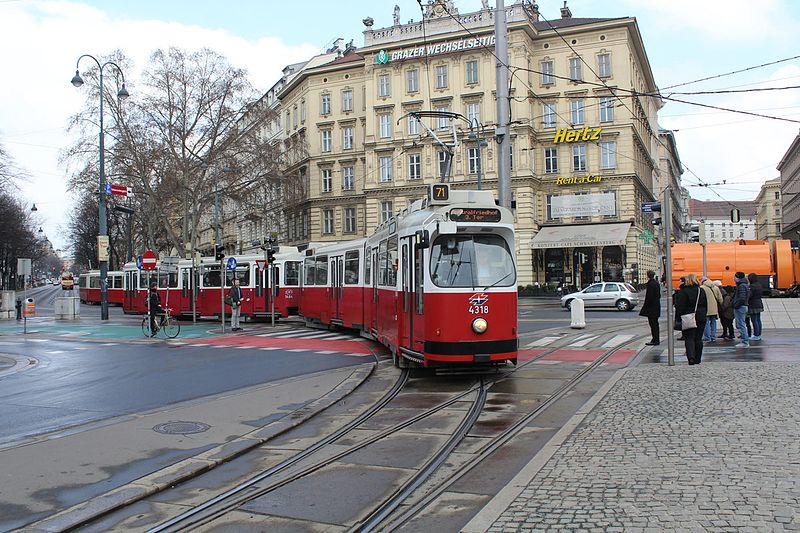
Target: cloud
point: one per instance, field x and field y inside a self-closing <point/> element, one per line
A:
<point x="740" y="149"/>
<point x="42" y="40"/>
<point x="719" y="20"/>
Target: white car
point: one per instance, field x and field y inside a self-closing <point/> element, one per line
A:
<point x="622" y="296"/>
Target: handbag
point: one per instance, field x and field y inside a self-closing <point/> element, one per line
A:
<point x="689" y="320"/>
<point x="228" y="300"/>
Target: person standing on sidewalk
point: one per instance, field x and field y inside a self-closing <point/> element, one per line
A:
<point x="741" y="297"/>
<point x="235" y="296"/>
<point x="726" y="313"/>
<point x="651" y="308"/>
<point x="714" y="298"/>
<point x="692" y="299"/>
<point x="755" y="305"/>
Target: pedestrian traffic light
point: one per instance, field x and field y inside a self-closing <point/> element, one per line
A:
<point x="219" y="252"/>
<point x="270" y="256"/>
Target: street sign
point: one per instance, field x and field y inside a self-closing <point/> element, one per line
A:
<point x="118" y="190"/>
<point x="168" y="269"/>
<point x="231" y="264"/>
<point x="650" y="207"/>
<point x="23" y="266"/>
<point x="170" y="260"/>
<point x="149" y="260"/>
<point x="102" y="248"/>
<point x="262" y="264"/>
<point x="139" y="263"/>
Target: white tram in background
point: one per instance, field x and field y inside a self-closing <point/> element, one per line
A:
<point x="436" y="284"/>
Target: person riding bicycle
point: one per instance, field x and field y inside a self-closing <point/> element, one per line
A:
<point x="154" y="307"/>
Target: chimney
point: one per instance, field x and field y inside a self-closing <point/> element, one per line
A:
<point x="565" y="12"/>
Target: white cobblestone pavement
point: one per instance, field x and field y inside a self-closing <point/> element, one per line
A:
<point x="714" y="447"/>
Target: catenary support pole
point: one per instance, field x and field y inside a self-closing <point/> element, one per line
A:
<point x="667" y="223"/>
<point x="501" y="131"/>
<point x="222" y="276"/>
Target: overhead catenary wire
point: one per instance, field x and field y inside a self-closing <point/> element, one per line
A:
<point x="732" y="72"/>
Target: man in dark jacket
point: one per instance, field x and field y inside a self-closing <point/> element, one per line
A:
<point x="741" y="296"/>
<point x="154" y="308"/>
<point x="651" y="308"/>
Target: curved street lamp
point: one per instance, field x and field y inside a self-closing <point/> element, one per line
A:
<point x="77" y="81"/>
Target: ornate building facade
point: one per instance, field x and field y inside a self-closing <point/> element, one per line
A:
<point x="584" y="135"/>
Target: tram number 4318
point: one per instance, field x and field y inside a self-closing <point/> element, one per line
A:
<point x="478" y="309"/>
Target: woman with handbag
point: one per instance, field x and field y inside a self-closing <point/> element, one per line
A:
<point x="690" y="311"/>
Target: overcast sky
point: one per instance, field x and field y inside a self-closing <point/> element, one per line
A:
<point x="685" y="40"/>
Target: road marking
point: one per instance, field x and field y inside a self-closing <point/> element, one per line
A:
<point x="584" y="340"/>
<point x="242" y="347"/>
<point x="616" y="340"/>
<point x="269" y="348"/>
<point x="290" y="335"/>
<point x="331" y="336"/>
<point x="36" y="340"/>
<point x="325" y="352"/>
<point x="199" y="344"/>
<point x="544" y="341"/>
<point x="54" y="352"/>
<point x="110" y="344"/>
<point x="298" y="350"/>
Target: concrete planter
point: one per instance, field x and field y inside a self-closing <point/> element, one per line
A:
<point x="68" y="308"/>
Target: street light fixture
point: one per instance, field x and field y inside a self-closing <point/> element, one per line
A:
<point x="33" y="209"/>
<point x="77" y="81"/>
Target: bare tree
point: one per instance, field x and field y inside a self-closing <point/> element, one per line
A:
<point x="192" y="129"/>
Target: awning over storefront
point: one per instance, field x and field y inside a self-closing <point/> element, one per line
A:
<point x="581" y="236"/>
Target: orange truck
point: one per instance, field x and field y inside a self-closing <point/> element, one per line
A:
<point x="777" y="265"/>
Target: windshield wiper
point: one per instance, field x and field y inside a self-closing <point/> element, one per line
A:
<point x="497" y="282"/>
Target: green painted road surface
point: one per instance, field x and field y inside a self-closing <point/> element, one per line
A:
<point x="110" y="330"/>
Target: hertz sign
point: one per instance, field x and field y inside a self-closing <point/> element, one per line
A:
<point x="565" y="135"/>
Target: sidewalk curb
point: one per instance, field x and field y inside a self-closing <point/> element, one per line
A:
<point x="21" y="363"/>
<point x="170" y="476"/>
<point x="490" y="512"/>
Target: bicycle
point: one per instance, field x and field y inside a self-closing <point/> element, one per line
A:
<point x="170" y="325"/>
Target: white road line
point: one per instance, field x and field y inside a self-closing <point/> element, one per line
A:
<point x="110" y="344"/>
<point x="544" y="341"/>
<point x="54" y="352"/>
<point x="243" y="347"/>
<point x="290" y="335"/>
<point x="298" y="350"/>
<point x="36" y="340"/>
<point x="198" y="344"/>
<point x="583" y="341"/>
<point x="329" y="336"/>
<point x="340" y="338"/>
<point x="616" y="340"/>
<point x="359" y="354"/>
<point x="269" y="348"/>
<point x="325" y="352"/>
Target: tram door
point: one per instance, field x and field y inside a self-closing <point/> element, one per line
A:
<point x="337" y="275"/>
<point x="412" y="336"/>
<point x="372" y="299"/>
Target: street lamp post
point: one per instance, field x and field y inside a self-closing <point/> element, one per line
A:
<point x="77" y="81"/>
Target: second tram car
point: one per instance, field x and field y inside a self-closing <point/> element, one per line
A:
<point x="175" y="287"/>
<point x="436" y="284"/>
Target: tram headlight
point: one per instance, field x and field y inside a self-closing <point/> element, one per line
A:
<point x="479" y="325"/>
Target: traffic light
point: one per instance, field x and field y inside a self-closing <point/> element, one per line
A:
<point x="735" y="217"/>
<point x="700" y="230"/>
<point x="219" y="252"/>
<point x="657" y="221"/>
<point x="270" y="256"/>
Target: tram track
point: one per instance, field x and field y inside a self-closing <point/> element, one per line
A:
<point x="413" y="509"/>
<point x="384" y="512"/>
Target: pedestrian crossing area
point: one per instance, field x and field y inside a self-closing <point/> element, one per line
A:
<point x="293" y="340"/>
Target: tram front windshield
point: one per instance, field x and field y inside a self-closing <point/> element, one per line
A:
<point x="477" y="261"/>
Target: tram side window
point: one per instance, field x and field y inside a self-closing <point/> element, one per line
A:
<point x="94" y="282"/>
<point x="351" y="267"/>
<point x="367" y="266"/>
<point x="321" y="277"/>
<point x="211" y="277"/>
<point x="291" y="273"/>
<point x="383" y="271"/>
<point x="242" y="274"/>
<point x="117" y="282"/>
<point x="391" y="252"/>
<point x="145" y="279"/>
<point x="167" y="280"/>
<point x="310" y="268"/>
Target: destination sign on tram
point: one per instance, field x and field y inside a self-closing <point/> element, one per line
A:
<point x="474" y="214"/>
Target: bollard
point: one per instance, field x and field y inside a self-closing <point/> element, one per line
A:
<point x="578" y="318"/>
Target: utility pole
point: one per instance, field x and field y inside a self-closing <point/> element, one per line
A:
<point x="667" y="223"/>
<point x="501" y="131"/>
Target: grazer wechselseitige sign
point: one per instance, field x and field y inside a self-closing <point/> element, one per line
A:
<point x="457" y="45"/>
<point x="473" y="214"/>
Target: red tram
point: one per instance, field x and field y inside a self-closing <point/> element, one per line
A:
<point x="175" y="285"/>
<point x="89" y="287"/>
<point x="435" y="284"/>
